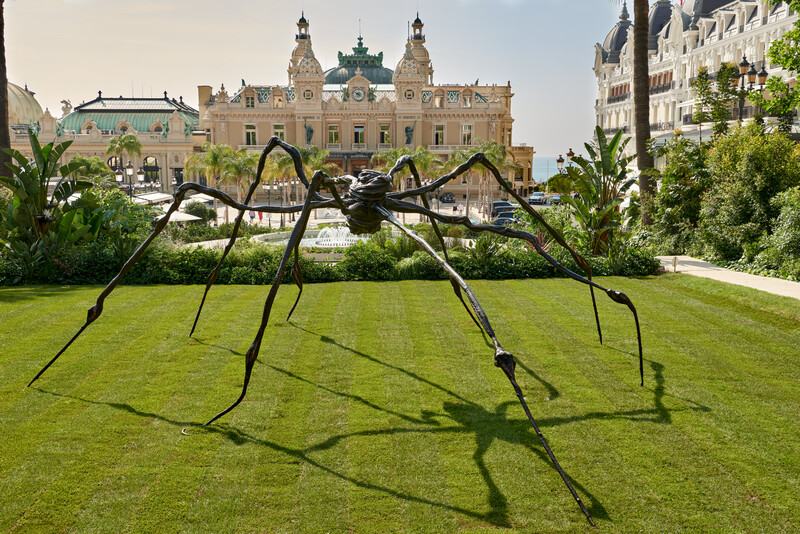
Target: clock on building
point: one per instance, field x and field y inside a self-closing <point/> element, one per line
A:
<point x="358" y="94"/>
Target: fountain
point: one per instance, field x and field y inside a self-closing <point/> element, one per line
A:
<point x="329" y="237"/>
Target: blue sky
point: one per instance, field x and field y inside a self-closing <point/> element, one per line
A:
<point x="70" y="49"/>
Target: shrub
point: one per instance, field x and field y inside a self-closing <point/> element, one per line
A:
<point x="364" y="261"/>
<point x="748" y="168"/>
<point x="199" y="209"/>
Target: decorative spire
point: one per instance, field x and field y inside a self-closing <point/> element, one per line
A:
<point x="624" y="15"/>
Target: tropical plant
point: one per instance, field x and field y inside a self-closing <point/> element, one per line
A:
<point x="209" y="163"/>
<point x="94" y="170"/>
<point x="601" y="183"/>
<point x="124" y="144"/>
<point x="32" y="214"/>
<point x="237" y="167"/>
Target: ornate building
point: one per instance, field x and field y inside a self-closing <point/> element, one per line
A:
<point x="164" y="126"/>
<point x="683" y="38"/>
<point x="361" y="107"/>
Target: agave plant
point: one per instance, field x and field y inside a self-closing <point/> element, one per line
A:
<point x="601" y="182"/>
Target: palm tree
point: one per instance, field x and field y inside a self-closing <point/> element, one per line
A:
<point x="236" y="168"/>
<point x="5" y="140"/>
<point x="124" y="144"/>
<point x="385" y="160"/>
<point x="456" y="158"/>
<point x="641" y="101"/>
<point x="209" y="163"/>
<point x="496" y="154"/>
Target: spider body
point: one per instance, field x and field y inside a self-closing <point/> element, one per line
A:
<point x="366" y="190"/>
<point x="368" y="203"/>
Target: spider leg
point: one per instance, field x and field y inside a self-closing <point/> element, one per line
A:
<point x="481" y="159"/>
<point x="252" y="353"/>
<point x="298" y="164"/>
<point x="407" y="161"/>
<point x="296" y="271"/>
<point x="616" y="296"/>
<point x="502" y="358"/>
<point x="95" y="311"/>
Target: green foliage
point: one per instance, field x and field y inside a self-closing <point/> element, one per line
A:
<point x="94" y="170"/>
<point x="193" y="233"/>
<point x="199" y="209"/>
<point x="124" y="144"/>
<point x="714" y="102"/>
<point x="783" y="100"/>
<point x="364" y="261"/>
<point x="601" y="183"/>
<point x="748" y="169"/>
<point x="676" y="208"/>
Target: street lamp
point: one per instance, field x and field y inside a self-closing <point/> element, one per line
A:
<point x="119" y="176"/>
<point x="747" y="69"/>
<point x="560" y="163"/>
<point x="140" y="177"/>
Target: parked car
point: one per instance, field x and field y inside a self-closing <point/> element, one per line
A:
<point x="503" y="207"/>
<point x="537" y="198"/>
<point x="505" y="219"/>
<point x="447" y="198"/>
<point x="555" y="199"/>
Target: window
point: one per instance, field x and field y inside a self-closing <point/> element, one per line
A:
<point x="158" y="129"/>
<point x="438" y="134"/>
<point x="385" y="136"/>
<point x="208" y="135"/>
<point x="358" y="134"/>
<point x="250" y="134"/>
<point x="333" y="134"/>
<point x="466" y="134"/>
<point x="249" y="101"/>
<point x="279" y="131"/>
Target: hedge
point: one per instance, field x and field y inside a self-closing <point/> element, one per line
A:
<point x="95" y="263"/>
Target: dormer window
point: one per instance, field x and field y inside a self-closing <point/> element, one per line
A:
<point x="249" y="101"/>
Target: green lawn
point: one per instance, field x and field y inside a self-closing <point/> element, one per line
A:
<point x="378" y="409"/>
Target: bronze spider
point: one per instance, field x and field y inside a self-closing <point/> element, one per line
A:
<point x="369" y="202"/>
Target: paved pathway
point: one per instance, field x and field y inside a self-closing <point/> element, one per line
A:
<point x="695" y="267"/>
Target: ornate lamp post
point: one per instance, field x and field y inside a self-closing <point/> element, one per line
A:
<point x="560" y="163"/>
<point x="120" y="177"/>
<point x="749" y="70"/>
<point x="140" y="178"/>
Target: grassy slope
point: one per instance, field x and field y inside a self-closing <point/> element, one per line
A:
<point x="378" y="409"/>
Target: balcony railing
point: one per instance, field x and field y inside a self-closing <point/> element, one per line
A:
<point x="612" y="131"/>
<point x="619" y="98"/>
<point x="661" y="126"/>
<point x="663" y="88"/>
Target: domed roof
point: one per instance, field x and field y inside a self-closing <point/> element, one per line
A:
<point x="618" y="36"/>
<point x="22" y="107"/>
<point x="371" y="67"/>
<point x="302" y="18"/>
<point x="417" y="20"/>
<point x="408" y="68"/>
<point x="308" y="67"/>
<point x="659" y="15"/>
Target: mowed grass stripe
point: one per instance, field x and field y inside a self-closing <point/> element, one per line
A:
<point x="554" y="369"/>
<point x="705" y="476"/>
<point x="127" y="483"/>
<point x="694" y="450"/>
<point x="192" y="461"/>
<point x="76" y="419"/>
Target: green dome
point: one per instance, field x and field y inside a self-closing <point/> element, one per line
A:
<point x="371" y="67"/>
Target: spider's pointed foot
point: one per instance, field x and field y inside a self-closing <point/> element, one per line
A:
<point x="505" y="361"/>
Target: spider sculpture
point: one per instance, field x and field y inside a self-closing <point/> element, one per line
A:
<point x="368" y="203"/>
